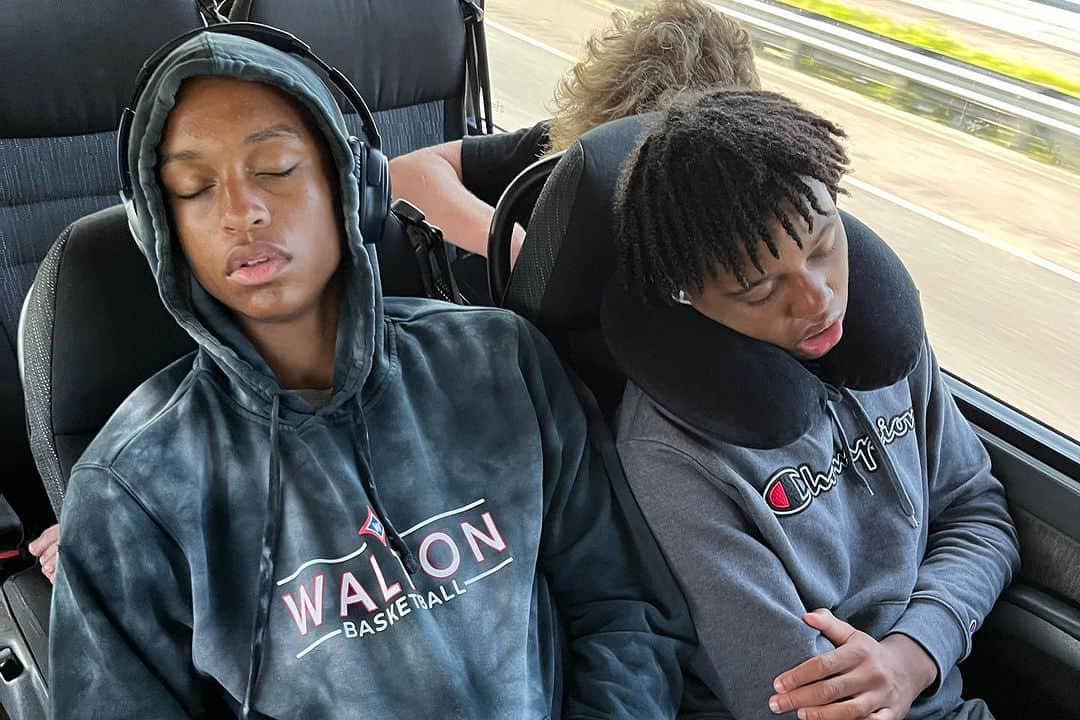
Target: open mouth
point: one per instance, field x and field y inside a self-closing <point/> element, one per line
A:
<point x="822" y="341"/>
<point x="256" y="264"/>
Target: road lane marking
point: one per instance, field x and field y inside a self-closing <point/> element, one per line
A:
<point x="964" y="229"/>
<point x="530" y="41"/>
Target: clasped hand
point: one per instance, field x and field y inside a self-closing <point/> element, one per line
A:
<point x="861" y="678"/>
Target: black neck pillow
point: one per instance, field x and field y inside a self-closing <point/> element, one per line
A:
<point x="751" y="393"/>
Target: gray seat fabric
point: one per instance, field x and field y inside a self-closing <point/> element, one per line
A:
<point x="407" y="59"/>
<point x="69" y="69"/>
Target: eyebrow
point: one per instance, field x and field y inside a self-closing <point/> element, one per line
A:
<point x="281" y="130"/>
<point x="182" y="155"/>
<point x="274" y="131"/>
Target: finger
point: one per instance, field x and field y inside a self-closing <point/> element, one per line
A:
<point x="855" y="708"/>
<point x="50" y="574"/>
<point x="49" y="552"/>
<point x="836" y="630"/>
<point x="816" y="668"/>
<point x="51" y="536"/>
<point x="823" y="692"/>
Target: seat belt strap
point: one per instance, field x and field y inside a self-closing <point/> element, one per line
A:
<point x="433" y="253"/>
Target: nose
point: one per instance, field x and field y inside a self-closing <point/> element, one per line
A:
<point x="242" y="206"/>
<point x="812" y="296"/>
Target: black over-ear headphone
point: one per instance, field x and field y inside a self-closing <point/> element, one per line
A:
<point x="372" y="171"/>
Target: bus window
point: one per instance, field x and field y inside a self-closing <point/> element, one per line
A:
<point x="964" y="136"/>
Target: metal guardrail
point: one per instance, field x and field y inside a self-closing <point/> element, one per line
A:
<point x="1044" y="127"/>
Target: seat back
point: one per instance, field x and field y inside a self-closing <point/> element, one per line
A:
<point x="568" y="256"/>
<point x="69" y="69"/>
<point x="407" y="59"/>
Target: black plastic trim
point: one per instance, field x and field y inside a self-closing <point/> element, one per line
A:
<point x="25" y="697"/>
<point x="1017" y="428"/>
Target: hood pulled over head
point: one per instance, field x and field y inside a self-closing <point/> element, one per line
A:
<point x="210" y="323"/>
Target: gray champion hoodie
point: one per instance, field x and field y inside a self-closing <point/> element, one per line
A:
<point x="449" y="536"/>
<point x="884" y="512"/>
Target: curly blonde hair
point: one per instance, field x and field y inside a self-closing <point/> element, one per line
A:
<point x="642" y="61"/>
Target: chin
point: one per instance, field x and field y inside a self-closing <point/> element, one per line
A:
<point x="271" y="307"/>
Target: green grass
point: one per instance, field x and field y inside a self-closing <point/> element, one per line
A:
<point x="935" y="38"/>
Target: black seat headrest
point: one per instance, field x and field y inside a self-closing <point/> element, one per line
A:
<point x="69" y="68"/>
<point x="568" y="257"/>
<point x="397" y="53"/>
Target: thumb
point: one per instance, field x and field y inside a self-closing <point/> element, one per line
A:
<point x="836" y="630"/>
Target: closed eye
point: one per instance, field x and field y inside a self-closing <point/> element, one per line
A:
<point x="195" y="194"/>
<point x="282" y="173"/>
<point x="764" y="299"/>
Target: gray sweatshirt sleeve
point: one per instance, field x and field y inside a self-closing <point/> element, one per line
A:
<point x="120" y="635"/>
<point x="970" y="536"/>
<point x="745" y="607"/>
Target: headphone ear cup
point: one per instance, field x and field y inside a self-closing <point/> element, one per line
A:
<point x="373" y="175"/>
<point x="375" y="200"/>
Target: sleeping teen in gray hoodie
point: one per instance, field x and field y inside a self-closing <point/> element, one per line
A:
<point x="339" y="506"/>
<point x="826" y="508"/>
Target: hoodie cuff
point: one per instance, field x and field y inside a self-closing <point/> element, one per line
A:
<point x="937" y="629"/>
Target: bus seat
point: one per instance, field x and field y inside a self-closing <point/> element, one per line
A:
<point x="69" y="70"/>
<point x="568" y="255"/>
<point x="410" y="72"/>
<point x="68" y="76"/>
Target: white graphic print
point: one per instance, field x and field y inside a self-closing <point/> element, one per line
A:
<point x="791" y="490"/>
<point x="366" y="594"/>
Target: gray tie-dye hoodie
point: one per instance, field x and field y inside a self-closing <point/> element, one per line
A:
<point x="224" y="542"/>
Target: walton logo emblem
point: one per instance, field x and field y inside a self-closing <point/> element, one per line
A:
<point x="368" y="591"/>
<point x="372" y="526"/>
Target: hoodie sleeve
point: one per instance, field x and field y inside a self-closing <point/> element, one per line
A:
<point x="746" y="609"/>
<point x="120" y="630"/>
<point x="970" y="535"/>
<point x="627" y="624"/>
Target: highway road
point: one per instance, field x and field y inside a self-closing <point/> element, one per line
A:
<point x="992" y="238"/>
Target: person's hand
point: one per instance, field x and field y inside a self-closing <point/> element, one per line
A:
<point x="861" y="678"/>
<point x="44" y="548"/>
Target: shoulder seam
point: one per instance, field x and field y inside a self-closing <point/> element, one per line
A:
<point x="678" y="451"/>
<point x="181" y="389"/>
<point x="116" y="477"/>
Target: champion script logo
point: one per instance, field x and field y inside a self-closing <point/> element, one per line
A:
<point x="790" y="490"/>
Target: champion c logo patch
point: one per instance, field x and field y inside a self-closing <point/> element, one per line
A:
<point x="786" y="493"/>
<point x="777" y="498"/>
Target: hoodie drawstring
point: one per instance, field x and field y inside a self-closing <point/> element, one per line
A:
<point x="835" y="397"/>
<point x="266" y="562"/>
<point x="270" y="536"/>
<point x="890" y="469"/>
<point x="367" y="478"/>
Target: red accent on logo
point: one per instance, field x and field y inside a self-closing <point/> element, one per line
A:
<point x="778" y="498"/>
<point x="374" y="527"/>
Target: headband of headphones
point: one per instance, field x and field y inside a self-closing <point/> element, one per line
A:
<point x="374" y="174"/>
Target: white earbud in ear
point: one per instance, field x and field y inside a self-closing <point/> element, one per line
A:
<point x="681" y="297"/>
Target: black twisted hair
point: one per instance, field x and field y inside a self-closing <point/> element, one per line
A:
<point x="702" y="183"/>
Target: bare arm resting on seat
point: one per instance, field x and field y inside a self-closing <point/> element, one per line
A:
<point x="431" y="179"/>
